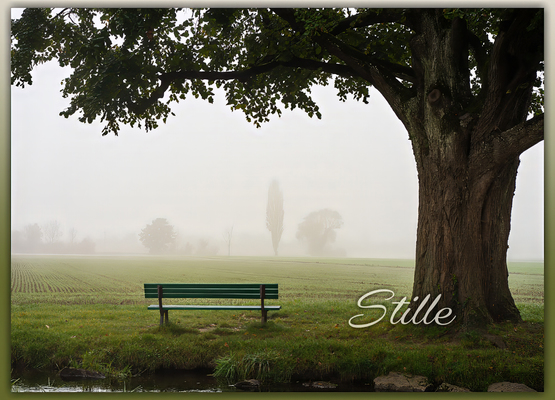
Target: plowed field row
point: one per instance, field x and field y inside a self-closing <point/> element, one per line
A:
<point x="52" y="277"/>
<point x="119" y="280"/>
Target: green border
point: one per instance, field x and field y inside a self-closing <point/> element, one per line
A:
<point x="549" y="199"/>
<point x="5" y="211"/>
<point x="4" y="205"/>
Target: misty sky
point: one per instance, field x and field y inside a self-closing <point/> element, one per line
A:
<point x="208" y="169"/>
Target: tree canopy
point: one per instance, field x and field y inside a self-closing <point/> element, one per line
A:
<point x="317" y="230"/>
<point x="129" y="65"/>
<point x="159" y="236"/>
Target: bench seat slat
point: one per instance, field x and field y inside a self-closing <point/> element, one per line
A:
<point x="210" y="296"/>
<point x="221" y="291"/>
<point x="209" y="291"/>
<point x="206" y="291"/>
<point x="193" y="295"/>
<point x="211" y="285"/>
<point x="211" y="307"/>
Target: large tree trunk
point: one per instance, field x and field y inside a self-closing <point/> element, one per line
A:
<point x="467" y="172"/>
<point x="461" y="248"/>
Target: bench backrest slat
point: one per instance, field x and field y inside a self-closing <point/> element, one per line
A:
<point x="208" y="290"/>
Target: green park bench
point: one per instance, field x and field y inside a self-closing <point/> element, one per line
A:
<point x="211" y="291"/>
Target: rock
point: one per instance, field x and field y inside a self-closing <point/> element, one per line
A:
<point x="249" y="384"/>
<point x="320" y="385"/>
<point x="72" y="374"/>
<point x="396" y="382"/>
<point x="447" y="387"/>
<point x="509" y="387"/>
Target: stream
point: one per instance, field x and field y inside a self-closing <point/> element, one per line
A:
<point x="161" y="381"/>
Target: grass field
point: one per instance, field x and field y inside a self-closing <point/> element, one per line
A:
<point x="91" y="312"/>
<point x="119" y="280"/>
<point x="113" y="280"/>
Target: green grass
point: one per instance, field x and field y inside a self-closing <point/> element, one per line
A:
<point x="90" y="312"/>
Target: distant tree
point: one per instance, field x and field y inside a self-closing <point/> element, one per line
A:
<point x="52" y="231"/>
<point x="318" y="229"/>
<point x="159" y="237"/>
<point x="72" y="235"/>
<point x="204" y="248"/>
<point x="274" y="214"/>
<point x="85" y="246"/>
<point x="187" y="249"/>
<point x="32" y="235"/>
<point x="227" y="235"/>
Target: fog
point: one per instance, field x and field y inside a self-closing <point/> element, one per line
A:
<point x="207" y="169"/>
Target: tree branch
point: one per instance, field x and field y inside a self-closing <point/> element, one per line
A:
<point x="366" y="19"/>
<point x="384" y="74"/>
<point x="502" y="147"/>
<point x="166" y="79"/>
<point x="513" y="63"/>
<point x="359" y="20"/>
<point x="480" y="55"/>
<point x="288" y="15"/>
<point x="372" y="70"/>
<point x="518" y="139"/>
<point x="60" y="13"/>
<point x="355" y="21"/>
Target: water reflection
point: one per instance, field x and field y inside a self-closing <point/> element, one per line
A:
<point x="161" y="381"/>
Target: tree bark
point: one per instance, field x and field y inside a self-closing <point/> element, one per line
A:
<point x="467" y="170"/>
<point x="461" y="248"/>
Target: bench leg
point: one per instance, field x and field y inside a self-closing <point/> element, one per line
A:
<point x="264" y="316"/>
<point x="163" y="316"/>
